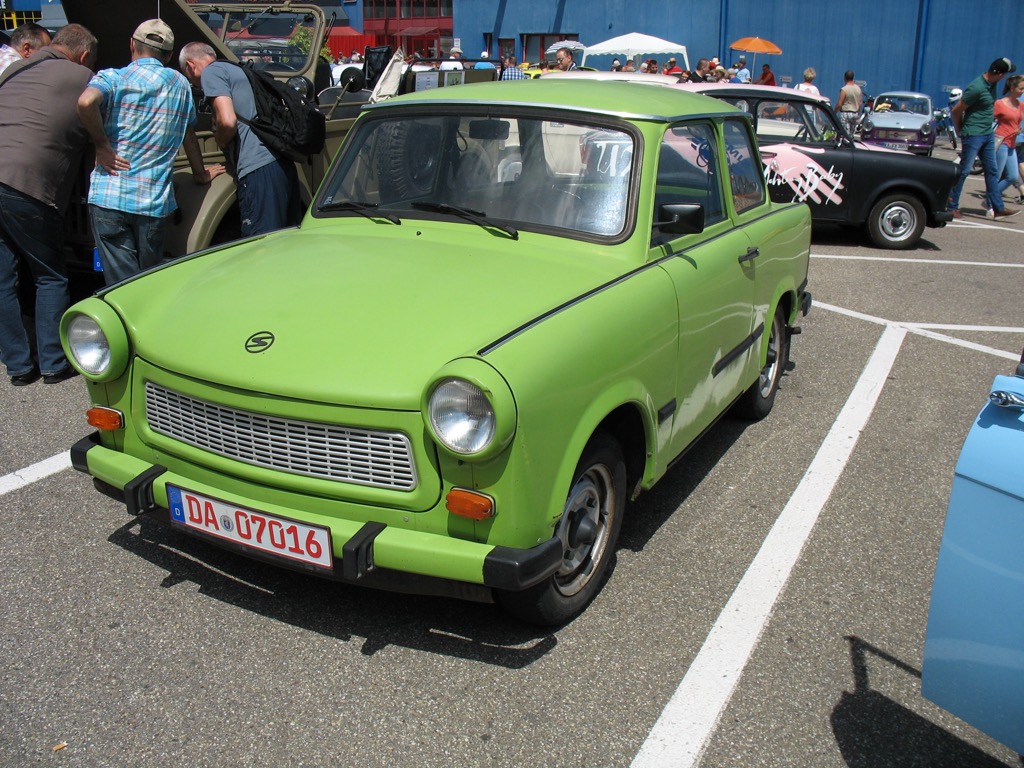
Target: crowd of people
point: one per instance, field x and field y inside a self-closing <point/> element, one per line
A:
<point x="137" y="118"/>
<point x="53" y="105"/>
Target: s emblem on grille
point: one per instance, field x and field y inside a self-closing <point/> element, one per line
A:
<point x="259" y="342"/>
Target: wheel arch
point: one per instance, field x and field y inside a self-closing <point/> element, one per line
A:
<point x="899" y="187"/>
<point x="627" y="414"/>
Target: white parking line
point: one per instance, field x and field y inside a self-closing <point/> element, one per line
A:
<point x="921" y="329"/>
<point x="37" y="471"/>
<point x="681" y="734"/>
<point x="906" y="260"/>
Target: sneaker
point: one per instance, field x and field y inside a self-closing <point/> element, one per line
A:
<point x="57" y="378"/>
<point x="957" y="214"/>
<point x="24" y="379"/>
<point x="1003" y="214"/>
<point x="990" y="214"/>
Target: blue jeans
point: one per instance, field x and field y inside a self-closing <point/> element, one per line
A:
<point x="128" y="242"/>
<point x="32" y="231"/>
<point x="268" y="198"/>
<point x="985" y="147"/>
<point x="1006" y="161"/>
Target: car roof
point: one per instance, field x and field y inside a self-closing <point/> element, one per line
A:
<point x="644" y="78"/>
<point x="593" y="96"/>
<point x="743" y="90"/>
<point x="903" y="95"/>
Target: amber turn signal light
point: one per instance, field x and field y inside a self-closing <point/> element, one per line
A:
<point x="106" y="419"/>
<point x="475" y="506"/>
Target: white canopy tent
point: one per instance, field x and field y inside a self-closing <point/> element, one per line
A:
<point x="635" y="44"/>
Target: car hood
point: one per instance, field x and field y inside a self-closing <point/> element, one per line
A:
<point x="356" y="319"/>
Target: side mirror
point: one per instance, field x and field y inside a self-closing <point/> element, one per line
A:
<point x="681" y="218"/>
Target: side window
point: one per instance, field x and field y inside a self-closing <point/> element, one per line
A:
<point x="689" y="169"/>
<point x="746" y="178"/>
<point x="779" y="122"/>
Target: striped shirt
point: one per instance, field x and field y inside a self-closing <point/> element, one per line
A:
<point x="146" y="109"/>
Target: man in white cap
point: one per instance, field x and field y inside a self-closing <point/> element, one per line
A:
<point x="484" y="62"/>
<point x="137" y="117"/>
<point x="454" y="59"/>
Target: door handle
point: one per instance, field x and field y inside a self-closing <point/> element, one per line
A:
<point x="750" y="255"/>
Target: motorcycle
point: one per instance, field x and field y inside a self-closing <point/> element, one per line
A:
<point x="944" y="124"/>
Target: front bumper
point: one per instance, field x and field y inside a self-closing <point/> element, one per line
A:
<point x="371" y="553"/>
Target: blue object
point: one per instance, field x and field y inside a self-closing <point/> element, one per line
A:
<point x="97" y="263"/>
<point x="974" y="646"/>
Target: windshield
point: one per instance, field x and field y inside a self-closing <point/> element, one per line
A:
<point x="525" y="172"/>
<point x="916" y="105"/>
<point x="277" y="41"/>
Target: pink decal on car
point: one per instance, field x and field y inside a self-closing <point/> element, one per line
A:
<point x="809" y="180"/>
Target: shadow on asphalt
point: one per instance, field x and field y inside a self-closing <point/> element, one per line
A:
<point x="837" y="236"/>
<point x="873" y="731"/>
<point x="448" y="627"/>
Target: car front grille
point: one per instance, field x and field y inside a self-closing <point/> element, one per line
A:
<point x="901" y="135"/>
<point x="327" y="451"/>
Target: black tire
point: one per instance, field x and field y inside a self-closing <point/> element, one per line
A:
<point x="589" y="530"/>
<point x="757" y="402"/>
<point x="896" y="222"/>
<point x="978" y="168"/>
<point x="407" y="161"/>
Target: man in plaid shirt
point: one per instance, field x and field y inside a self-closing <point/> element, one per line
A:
<point x="511" y="71"/>
<point x="138" y="117"/>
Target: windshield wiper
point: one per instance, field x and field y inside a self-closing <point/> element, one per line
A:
<point x="477" y="217"/>
<point x="369" y="210"/>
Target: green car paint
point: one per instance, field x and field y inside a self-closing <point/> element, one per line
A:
<point x="532" y="241"/>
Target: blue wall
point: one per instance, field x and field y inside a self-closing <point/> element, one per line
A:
<point x="926" y="45"/>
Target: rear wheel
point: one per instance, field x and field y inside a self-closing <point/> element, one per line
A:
<point x="757" y="402"/>
<point x="896" y="221"/>
<point x="588" y="530"/>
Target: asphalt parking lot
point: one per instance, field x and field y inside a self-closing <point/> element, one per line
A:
<point x="767" y="605"/>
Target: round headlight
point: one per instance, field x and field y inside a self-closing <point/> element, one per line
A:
<point x="867" y="126"/>
<point x="88" y="345"/>
<point x="461" y="416"/>
<point x="926" y="129"/>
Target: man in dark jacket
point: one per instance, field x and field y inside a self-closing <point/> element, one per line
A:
<point x="41" y="145"/>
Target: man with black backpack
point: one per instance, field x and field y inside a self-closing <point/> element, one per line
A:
<point x="268" y="185"/>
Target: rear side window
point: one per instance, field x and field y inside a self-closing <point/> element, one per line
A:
<point x="781" y="122"/>
<point x="689" y="169"/>
<point x="746" y="178"/>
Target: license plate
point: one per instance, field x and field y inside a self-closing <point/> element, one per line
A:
<point x="260" y="531"/>
<point x="896" y="145"/>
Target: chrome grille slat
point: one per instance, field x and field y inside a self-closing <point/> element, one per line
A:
<point x="327" y="451"/>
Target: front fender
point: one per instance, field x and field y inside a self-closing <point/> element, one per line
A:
<point x="201" y="209"/>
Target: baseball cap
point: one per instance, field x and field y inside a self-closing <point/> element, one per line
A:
<point x="484" y="55"/>
<point x="615" y="62"/>
<point x="1002" y="66"/>
<point x="156" y="34"/>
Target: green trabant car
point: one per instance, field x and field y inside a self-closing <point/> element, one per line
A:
<point x="509" y="309"/>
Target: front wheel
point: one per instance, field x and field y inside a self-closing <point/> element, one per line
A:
<point x="757" y="402"/>
<point x="588" y="529"/>
<point x="896" y="222"/>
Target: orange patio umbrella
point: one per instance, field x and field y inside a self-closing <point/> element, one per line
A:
<point x="755" y="45"/>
